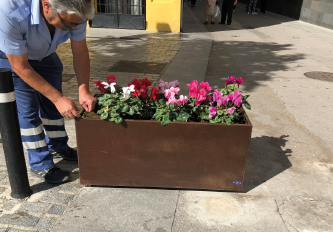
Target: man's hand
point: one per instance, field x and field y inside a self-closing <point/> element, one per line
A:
<point x="67" y="107"/>
<point x="87" y="101"/>
<point x="235" y="3"/>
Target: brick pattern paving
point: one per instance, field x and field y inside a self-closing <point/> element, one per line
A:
<point x="40" y="211"/>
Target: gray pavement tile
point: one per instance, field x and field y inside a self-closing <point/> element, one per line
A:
<point x="55" y="197"/>
<point x="10" y="205"/>
<point x="3" y="229"/>
<point x="70" y="188"/>
<point x="34" y="208"/>
<point x="57" y="209"/>
<point x="45" y="224"/>
<point x="18" y="230"/>
<point x="19" y="220"/>
<point x="115" y="208"/>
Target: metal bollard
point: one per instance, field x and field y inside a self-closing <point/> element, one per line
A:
<point x="11" y="138"/>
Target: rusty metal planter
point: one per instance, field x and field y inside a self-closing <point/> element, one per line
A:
<point x="140" y="153"/>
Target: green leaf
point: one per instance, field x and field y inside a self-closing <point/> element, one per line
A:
<point x="228" y="121"/>
<point x="113" y="114"/>
<point x="231" y="116"/>
<point x="131" y="111"/>
<point x="112" y="119"/>
<point x="220" y="112"/>
<point x="171" y="106"/>
<point x="118" y="120"/>
<point x="106" y="96"/>
<point x="136" y="108"/>
<point x="101" y="111"/>
<point x="248" y="106"/>
<point x="165" y="122"/>
<point x="225" y="91"/>
<point x="125" y="108"/>
<point x="101" y="102"/>
<point x="212" y="121"/>
<point x="107" y="102"/>
<point x="105" y="115"/>
<point x="182" y="117"/>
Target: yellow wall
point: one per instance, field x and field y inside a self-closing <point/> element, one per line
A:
<point x="163" y="15"/>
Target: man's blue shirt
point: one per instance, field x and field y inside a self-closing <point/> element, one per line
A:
<point x="23" y="30"/>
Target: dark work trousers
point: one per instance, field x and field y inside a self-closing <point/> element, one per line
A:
<point x="227" y="7"/>
<point x="263" y="5"/>
<point x="193" y="2"/>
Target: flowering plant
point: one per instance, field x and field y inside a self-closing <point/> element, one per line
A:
<point x="141" y="101"/>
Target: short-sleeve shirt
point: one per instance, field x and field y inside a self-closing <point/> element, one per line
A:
<point x="24" y="30"/>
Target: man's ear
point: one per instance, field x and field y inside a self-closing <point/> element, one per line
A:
<point x="46" y="6"/>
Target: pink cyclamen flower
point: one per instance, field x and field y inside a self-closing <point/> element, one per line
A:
<point x="205" y="85"/>
<point x="201" y="96"/>
<point x="217" y="95"/>
<point x="169" y="94"/>
<point x="194" y="89"/>
<point x="173" y="100"/>
<point x="231" y="78"/>
<point x="162" y="85"/>
<point x="174" y="84"/>
<point x="231" y="110"/>
<point x="239" y="81"/>
<point x="212" y="111"/>
<point x="175" y="90"/>
<point x="224" y="100"/>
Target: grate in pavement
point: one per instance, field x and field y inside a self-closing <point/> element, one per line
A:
<point x="138" y="67"/>
<point x="323" y="76"/>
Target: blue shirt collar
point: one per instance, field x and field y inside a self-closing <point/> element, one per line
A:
<point x="35" y="12"/>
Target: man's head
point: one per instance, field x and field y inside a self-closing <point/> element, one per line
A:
<point x="66" y="14"/>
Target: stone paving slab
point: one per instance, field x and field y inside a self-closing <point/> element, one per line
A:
<point x="120" y="209"/>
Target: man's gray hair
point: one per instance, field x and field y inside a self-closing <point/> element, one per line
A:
<point x="83" y="8"/>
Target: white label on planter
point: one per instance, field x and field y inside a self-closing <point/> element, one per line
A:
<point x="237" y="182"/>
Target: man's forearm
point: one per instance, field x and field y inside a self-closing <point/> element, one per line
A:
<point x="23" y="69"/>
<point x="81" y="63"/>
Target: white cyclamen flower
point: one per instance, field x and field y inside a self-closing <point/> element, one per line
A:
<point x="111" y="86"/>
<point x="127" y="91"/>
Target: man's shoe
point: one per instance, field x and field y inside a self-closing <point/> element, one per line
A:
<point x="70" y="154"/>
<point x="254" y="13"/>
<point x="221" y="22"/>
<point x="52" y="175"/>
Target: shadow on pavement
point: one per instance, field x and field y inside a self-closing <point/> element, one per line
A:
<point x="240" y="19"/>
<point x="266" y="159"/>
<point x="254" y="61"/>
<point x="69" y="166"/>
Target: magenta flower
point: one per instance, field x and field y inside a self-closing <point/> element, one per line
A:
<point x="239" y="81"/>
<point x="231" y="110"/>
<point x="162" y="86"/>
<point x="231" y="78"/>
<point x="217" y="95"/>
<point x="174" y="84"/>
<point x="212" y="111"/>
<point x="231" y="97"/>
<point x="194" y="89"/>
<point x="224" y="100"/>
<point x="205" y="85"/>
<point x="238" y="102"/>
<point x="201" y="96"/>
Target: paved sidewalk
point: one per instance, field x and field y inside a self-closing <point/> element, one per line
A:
<point x="288" y="181"/>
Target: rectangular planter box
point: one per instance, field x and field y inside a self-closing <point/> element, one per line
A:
<point x="141" y="153"/>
